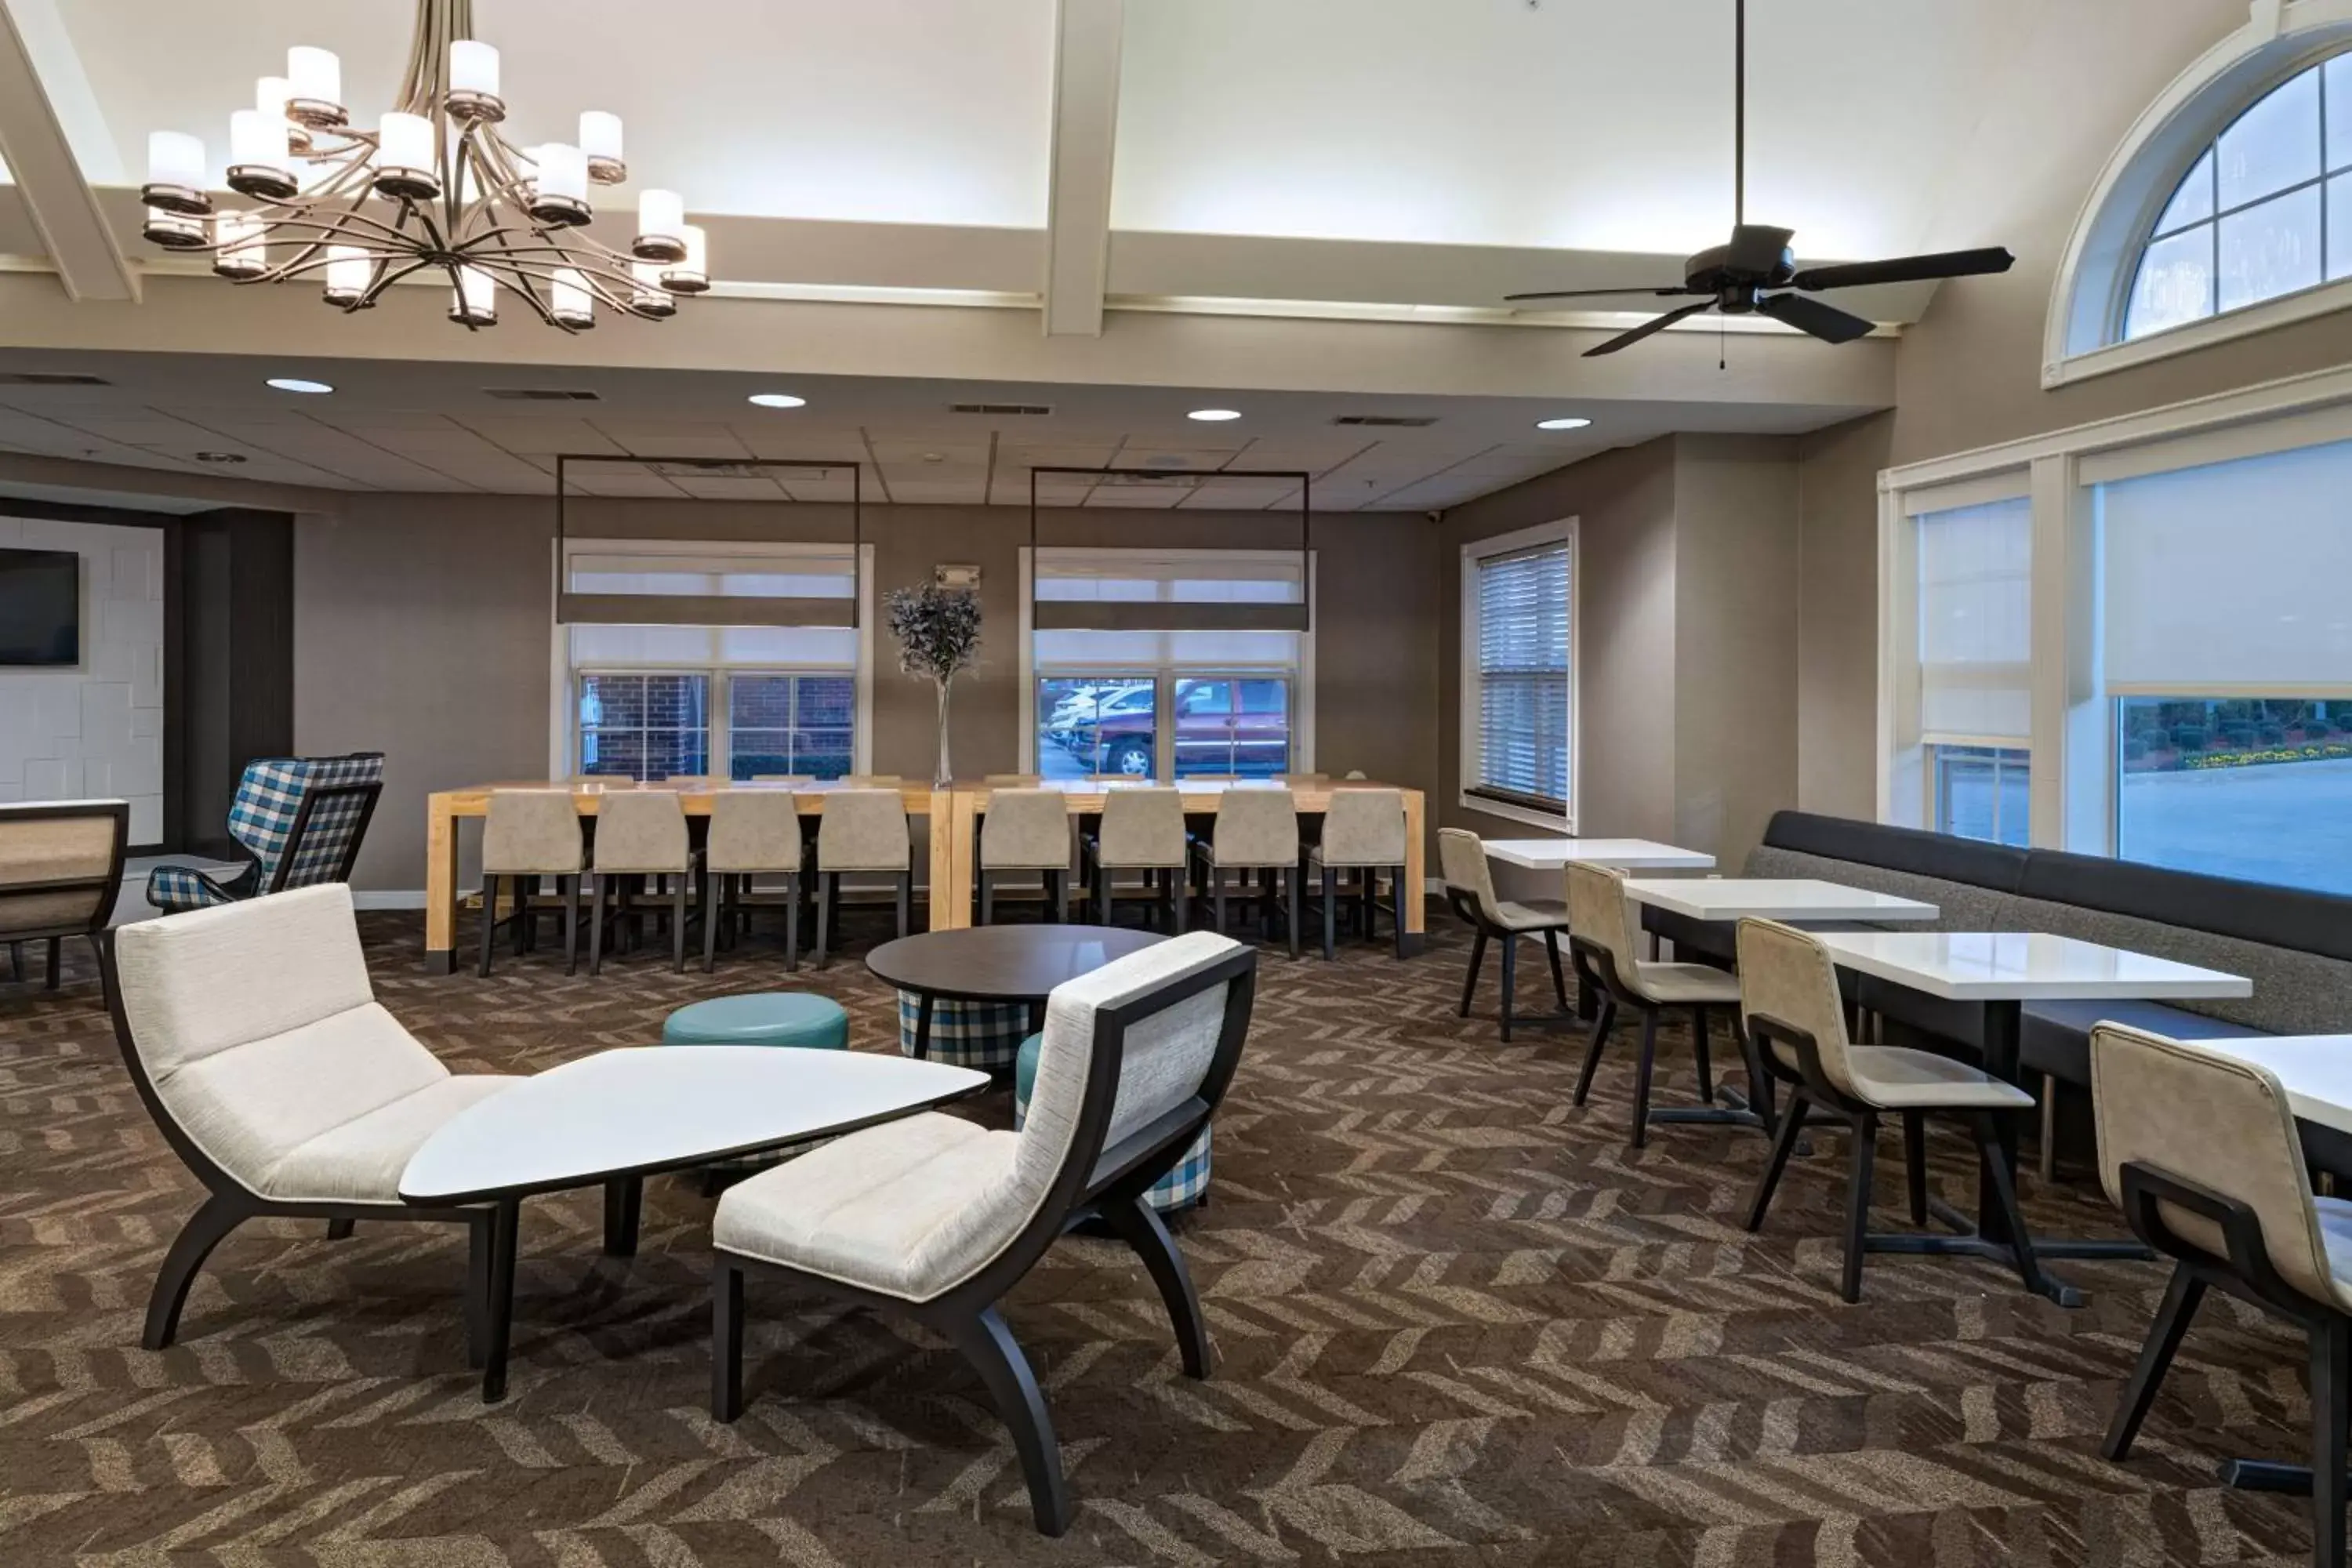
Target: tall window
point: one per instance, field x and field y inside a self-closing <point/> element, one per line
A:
<point x="2266" y="210"/>
<point x="1975" y="704"/>
<point x="1517" y="639"/>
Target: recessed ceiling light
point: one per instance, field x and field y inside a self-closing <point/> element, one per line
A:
<point x="220" y="457"/>
<point x="1215" y="415"/>
<point x="1565" y="422"/>
<point x="777" y="400"/>
<point x="295" y="383"/>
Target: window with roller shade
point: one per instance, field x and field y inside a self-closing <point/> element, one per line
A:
<point x="1518" y="647"/>
<point x="1975" y="645"/>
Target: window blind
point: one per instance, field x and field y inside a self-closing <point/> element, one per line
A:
<point x="685" y="584"/>
<point x="1195" y="596"/>
<point x="1523" y="677"/>
<point x="2235" y="574"/>
<point x="1974" y="628"/>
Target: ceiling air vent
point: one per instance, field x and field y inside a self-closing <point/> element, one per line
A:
<point x="1389" y="421"/>
<point x="541" y="394"/>
<point x="51" y="378"/>
<point x="1156" y="482"/>
<point x="1012" y="410"/>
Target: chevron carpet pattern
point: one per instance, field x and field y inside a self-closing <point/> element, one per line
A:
<point x="1456" y="1321"/>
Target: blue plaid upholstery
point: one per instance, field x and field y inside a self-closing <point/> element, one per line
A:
<point x="982" y="1035"/>
<point x="261" y="819"/>
<point x="1182" y="1187"/>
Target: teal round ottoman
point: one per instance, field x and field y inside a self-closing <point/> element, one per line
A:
<point x="800" y="1020"/>
<point x="1182" y="1187"/>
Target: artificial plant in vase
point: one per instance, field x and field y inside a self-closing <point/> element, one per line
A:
<point x="938" y="636"/>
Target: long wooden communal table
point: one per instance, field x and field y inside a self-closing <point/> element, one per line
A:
<point x="446" y="808"/>
<point x="955" y="853"/>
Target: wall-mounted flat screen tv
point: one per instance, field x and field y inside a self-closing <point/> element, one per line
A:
<point x="41" y="608"/>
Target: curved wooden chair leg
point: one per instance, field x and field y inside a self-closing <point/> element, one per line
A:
<point x="1138" y="1224"/>
<point x="205" y="1230"/>
<point x="993" y="1352"/>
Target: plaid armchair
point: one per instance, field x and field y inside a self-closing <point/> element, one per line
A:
<point x="300" y="821"/>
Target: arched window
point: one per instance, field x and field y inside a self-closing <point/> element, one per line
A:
<point x="2265" y="210"/>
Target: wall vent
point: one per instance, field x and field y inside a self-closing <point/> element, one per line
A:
<point x="51" y="378"/>
<point x="541" y="394"/>
<point x="1012" y="410"/>
<point x="1389" y="421"/>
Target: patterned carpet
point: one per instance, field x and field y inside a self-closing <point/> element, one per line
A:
<point x="1456" y="1323"/>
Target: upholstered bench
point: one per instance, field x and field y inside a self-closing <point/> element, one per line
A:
<point x="798" y="1019"/>
<point x="1182" y="1187"/>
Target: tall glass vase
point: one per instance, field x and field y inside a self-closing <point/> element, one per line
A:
<point x="942" y="773"/>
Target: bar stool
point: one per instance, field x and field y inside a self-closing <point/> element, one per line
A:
<point x="641" y="833"/>
<point x="1142" y="830"/>
<point x="1470" y="890"/>
<point x="1795" y="1019"/>
<point x="1363" y="832"/>
<point x="860" y="830"/>
<point x="752" y="832"/>
<point x="528" y="834"/>
<point x="1254" y="830"/>
<point x="1601" y="940"/>
<point x="1027" y="830"/>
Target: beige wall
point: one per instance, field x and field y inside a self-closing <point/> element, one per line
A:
<point x="421" y="629"/>
<point x="1837" y="622"/>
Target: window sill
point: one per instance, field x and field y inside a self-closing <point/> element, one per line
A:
<point x="1487" y="805"/>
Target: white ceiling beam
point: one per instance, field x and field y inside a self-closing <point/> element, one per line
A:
<point x="1077" y="204"/>
<point x="63" y="207"/>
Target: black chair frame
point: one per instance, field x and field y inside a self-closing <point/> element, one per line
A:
<point x="828" y="905"/>
<point x="368" y="793"/>
<point x="1812" y="1093"/>
<point x="2244" y="1271"/>
<point x="681" y="906"/>
<point x="1094" y="1183"/>
<point x="1167" y="887"/>
<point x="526" y="936"/>
<point x="1057" y="892"/>
<point x="1466" y="907"/>
<point x="1277" y="894"/>
<point x="1597" y="971"/>
<point x="727" y="903"/>
<point x="108" y="885"/>
<point x="1365" y="897"/>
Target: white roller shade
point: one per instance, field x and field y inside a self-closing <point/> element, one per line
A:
<point x="1202" y="586"/>
<point x="1975" y="629"/>
<point x="2235" y="574"/>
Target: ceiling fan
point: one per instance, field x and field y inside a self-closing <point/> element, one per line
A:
<point x="1735" y="278"/>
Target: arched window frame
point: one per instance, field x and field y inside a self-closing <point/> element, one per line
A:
<point x="2083" y="335"/>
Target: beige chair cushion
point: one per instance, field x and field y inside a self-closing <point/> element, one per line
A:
<point x="1142" y="828"/>
<point x="754" y="830"/>
<point x="641" y="832"/>
<point x="1893" y="1077"/>
<point x="1462" y="862"/>
<point x="531" y="831"/>
<point x="1601" y="914"/>
<point x="1255" y="828"/>
<point x="863" y="831"/>
<point x="1530" y="914"/>
<point x="1788" y="975"/>
<point x="1026" y="829"/>
<point x="1363" y="827"/>
<point x="53" y="849"/>
<point x="1683" y="984"/>
<point x="360" y="1161"/>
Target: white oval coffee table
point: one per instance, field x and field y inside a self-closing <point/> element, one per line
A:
<point x="617" y="1116"/>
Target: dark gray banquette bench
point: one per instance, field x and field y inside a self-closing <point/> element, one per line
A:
<point x="2296" y="946"/>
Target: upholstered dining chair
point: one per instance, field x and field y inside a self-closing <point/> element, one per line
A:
<point x="1795" y="1020"/>
<point x="298" y="822"/>
<point x="528" y="834"/>
<point x="1470" y="890"/>
<point x="1140" y="830"/>
<point x="753" y="832"/>
<point x="256" y="1042"/>
<point x="861" y="830"/>
<point x="641" y="833"/>
<point x="1025" y="831"/>
<point x="1256" y="830"/>
<point x="938" y="1217"/>
<point x="2202" y="1154"/>
<point x="1601" y="940"/>
<point x="1363" y="833"/>
<point x="60" y="874"/>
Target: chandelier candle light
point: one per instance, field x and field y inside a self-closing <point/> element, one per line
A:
<point x="434" y="185"/>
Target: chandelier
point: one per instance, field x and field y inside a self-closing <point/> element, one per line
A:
<point x="436" y="187"/>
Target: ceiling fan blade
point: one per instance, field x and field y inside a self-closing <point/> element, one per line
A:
<point x="1757" y="249"/>
<point x="1906" y="269"/>
<point x="1824" y="321"/>
<point x="1601" y="293"/>
<point x="1654" y="324"/>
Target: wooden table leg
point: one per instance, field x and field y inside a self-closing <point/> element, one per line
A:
<point x="440" y="886"/>
<point x="1413" y="916"/>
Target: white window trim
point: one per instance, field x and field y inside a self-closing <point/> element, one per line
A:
<point x="562" y="736"/>
<point x="1302" y="694"/>
<point x="1562" y="531"/>
<point x="2102" y="255"/>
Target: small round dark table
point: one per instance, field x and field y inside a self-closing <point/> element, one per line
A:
<point x="997" y="964"/>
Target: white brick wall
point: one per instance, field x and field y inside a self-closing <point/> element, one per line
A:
<point x="97" y="731"/>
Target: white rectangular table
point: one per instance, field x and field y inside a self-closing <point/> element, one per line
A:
<point x="2003" y="970"/>
<point x="1793" y="899"/>
<point x="1627" y="854"/>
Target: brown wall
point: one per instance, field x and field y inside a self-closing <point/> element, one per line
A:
<point x="421" y="629"/>
<point x="1837" y="626"/>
